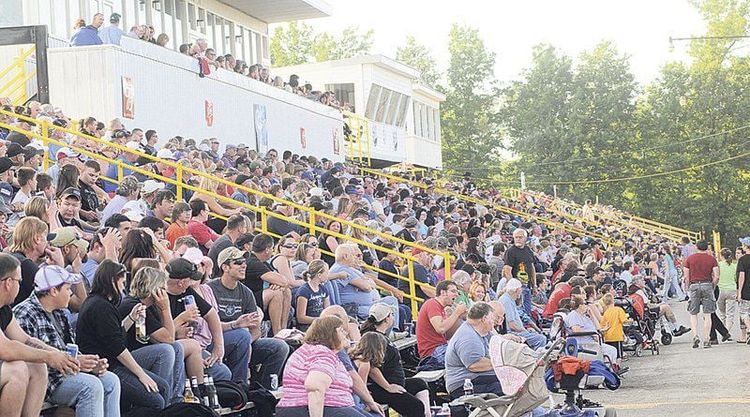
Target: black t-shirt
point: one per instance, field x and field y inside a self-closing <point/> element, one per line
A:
<point x="255" y="270"/>
<point x="72" y="222"/>
<point x="6" y="316"/>
<point x="89" y="199"/>
<point x="743" y="265"/>
<point x="177" y="305"/>
<point x="28" y="272"/>
<point x="515" y="256"/>
<point x="392" y="369"/>
<point x="153" y="321"/>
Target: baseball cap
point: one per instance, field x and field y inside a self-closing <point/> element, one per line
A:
<point x="180" y="268"/>
<point x="411" y="222"/>
<point x="229" y="254"/>
<point x="50" y="276"/>
<point x="745" y="240"/>
<point x="150" y="186"/>
<point x="242" y="178"/>
<point x="65" y="236"/>
<point x="133" y="145"/>
<point x="316" y="191"/>
<point x="14" y="149"/>
<point x="133" y="211"/>
<point x="71" y="192"/>
<point x="166" y="154"/>
<point x="513" y="284"/>
<point x="193" y="255"/>
<point x="114" y="17"/>
<point x="5" y="164"/>
<point x="380" y="311"/>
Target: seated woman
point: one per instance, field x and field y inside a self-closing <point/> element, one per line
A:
<point x="380" y="361"/>
<point x="148" y="287"/>
<point x="312" y="297"/>
<point x="315" y="381"/>
<point x="580" y="320"/>
<point x="143" y="378"/>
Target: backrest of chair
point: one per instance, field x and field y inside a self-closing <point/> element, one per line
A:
<point x="511" y="379"/>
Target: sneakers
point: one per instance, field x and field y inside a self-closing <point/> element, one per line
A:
<point x="713" y="342"/>
<point x="681" y="330"/>
<point x="707" y="345"/>
<point x="726" y="338"/>
<point x="696" y="342"/>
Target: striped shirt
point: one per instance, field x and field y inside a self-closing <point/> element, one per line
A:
<point x="319" y="358"/>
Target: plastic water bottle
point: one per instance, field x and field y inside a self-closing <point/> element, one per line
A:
<point x="140" y="328"/>
<point x="468" y="387"/>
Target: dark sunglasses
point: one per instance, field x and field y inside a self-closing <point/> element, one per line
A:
<point x="237" y="262"/>
<point x="292" y="246"/>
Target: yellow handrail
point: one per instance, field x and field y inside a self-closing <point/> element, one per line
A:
<point x="17" y="83"/>
<point x="264" y="213"/>
<point x="358" y="143"/>
<point x="500" y="207"/>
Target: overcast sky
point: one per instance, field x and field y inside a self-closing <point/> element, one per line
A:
<point x="640" y="28"/>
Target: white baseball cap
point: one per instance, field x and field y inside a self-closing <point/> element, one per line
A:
<point x="166" y="154"/>
<point x="150" y="186"/>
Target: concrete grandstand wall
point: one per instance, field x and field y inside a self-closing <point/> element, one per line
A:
<point x="170" y="97"/>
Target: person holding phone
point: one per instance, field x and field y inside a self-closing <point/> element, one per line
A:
<point x="241" y="318"/>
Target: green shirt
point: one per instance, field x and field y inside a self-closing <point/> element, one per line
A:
<point x="463" y="298"/>
<point x="727" y="276"/>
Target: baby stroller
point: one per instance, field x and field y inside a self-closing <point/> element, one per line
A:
<point x="639" y="335"/>
<point x="531" y="392"/>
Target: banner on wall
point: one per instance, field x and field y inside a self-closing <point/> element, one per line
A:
<point x="209" y="111"/>
<point x="128" y="98"/>
<point x="261" y="128"/>
<point x="336" y="140"/>
<point x="302" y="138"/>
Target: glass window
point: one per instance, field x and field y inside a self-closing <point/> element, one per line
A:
<point x="436" y="116"/>
<point x="372" y="101"/>
<point x="258" y="49"/>
<point x="393" y="106"/>
<point x="401" y="116"/>
<point x="385" y="98"/>
<point x="247" y="47"/>
<point x="201" y="21"/>
<point x="192" y="18"/>
<point x="156" y="18"/>
<point x="210" y="33"/>
<point x="423" y="115"/>
<point x="141" y="13"/>
<point x="430" y="124"/>
<point x="265" y="47"/>
<point x="228" y="37"/>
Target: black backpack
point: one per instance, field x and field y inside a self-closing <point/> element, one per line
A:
<point x="188" y="410"/>
<point x="231" y="395"/>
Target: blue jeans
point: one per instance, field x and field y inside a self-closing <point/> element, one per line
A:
<point x="534" y="340"/>
<point x="134" y="394"/>
<point x="91" y="396"/>
<point x="364" y="310"/>
<point x="217" y="371"/>
<point x="270" y="354"/>
<point x="526" y="299"/>
<point x="168" y="362"/>
<point x="236" y="353"/>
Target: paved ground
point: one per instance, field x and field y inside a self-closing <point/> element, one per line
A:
<point x="684" y="382"/>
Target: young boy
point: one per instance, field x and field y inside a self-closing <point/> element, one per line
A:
<point x="612" y="323"/>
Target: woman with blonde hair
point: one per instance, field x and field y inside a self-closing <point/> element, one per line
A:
<point x="43" y="209"/>
<point x="214" y="206"/>
<point x="344" y="208"/>
<point x="478" y="292"/>
<point x="369" y="256"/>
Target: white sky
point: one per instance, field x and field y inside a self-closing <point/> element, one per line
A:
<point x="640" y="28"/>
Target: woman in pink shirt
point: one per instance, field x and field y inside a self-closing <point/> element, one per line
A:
<point x="316" y="383"/>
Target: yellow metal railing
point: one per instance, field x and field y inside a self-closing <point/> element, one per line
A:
<point x="357" y="143"/>
<point x="14" y="78"/>
<point x="717" y="243"/>
<point x="309" y="223"/>
<point x="621" y="219"/>
<point x="549" y="223"/>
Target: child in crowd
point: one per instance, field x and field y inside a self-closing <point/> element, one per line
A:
<point x="612" y="322"/>
<point x="312" y="297"/>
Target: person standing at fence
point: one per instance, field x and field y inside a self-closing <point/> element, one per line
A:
<point x="112" y="33"/>
<point x="89" y="35"/>
<point x="519" y="263"/>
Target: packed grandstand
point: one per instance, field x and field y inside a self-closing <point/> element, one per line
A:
<point x="180" y="270"/>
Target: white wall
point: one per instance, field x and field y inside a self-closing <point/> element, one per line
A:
<point x="170" y="97"/>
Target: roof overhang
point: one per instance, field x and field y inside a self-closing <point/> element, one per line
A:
<point x="277" y="11"/>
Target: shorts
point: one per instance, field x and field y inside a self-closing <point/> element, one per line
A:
<point x="701" y="294"/>
<point x="744" y="307"/>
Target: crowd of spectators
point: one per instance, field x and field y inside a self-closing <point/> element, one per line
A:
<point x="97" y="255"/>
<point x="95" y="34"/>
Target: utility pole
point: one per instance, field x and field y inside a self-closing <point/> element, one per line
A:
<point x="523" y="180"/>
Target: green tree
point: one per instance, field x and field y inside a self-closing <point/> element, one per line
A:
<point x="298" y="43"/>
<point x="469" y="122"/>
<point x="419" y="57"/>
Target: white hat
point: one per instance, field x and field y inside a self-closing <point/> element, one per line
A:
<point x="133" y="211"/>
<point x="316" y="191"/>
<point x="165" y="154"/>
<point x="150" y="186"/>
<point x="513" y="284"/>
<point x="133" y="145"/>
<point x="193" y="255"/>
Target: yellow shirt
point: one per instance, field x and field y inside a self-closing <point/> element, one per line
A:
<point x="613" y="318"/>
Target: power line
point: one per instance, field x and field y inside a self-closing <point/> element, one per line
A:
<point x="637" y="177"/>
<point x="641" y="150"/>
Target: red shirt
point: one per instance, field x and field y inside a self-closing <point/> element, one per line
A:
<point x="563" y="291"/>
<point x="701" y="267"/>
<point x="427" y="338"/>
<point x="202" y="233"/>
